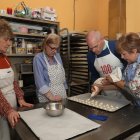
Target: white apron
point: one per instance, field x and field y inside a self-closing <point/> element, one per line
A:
<point x="105" y="66"/>
<point x="57" y="78"/>
<point x="6" y="86"/>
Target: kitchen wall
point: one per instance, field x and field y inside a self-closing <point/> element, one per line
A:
<point x="133" y="15"/>
<point x="89" y="14"/>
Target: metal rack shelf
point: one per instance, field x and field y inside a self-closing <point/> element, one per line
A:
<point x="74" y="56"/>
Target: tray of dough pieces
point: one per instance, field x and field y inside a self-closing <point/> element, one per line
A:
<point x="101" y="102"/>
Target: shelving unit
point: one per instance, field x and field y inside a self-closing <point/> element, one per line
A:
<point x="31" y="37"/>
<point x="39" y="27"/>
<point x="74" y="55"/>
<point x="28" y="35"/>
<point x="20" y="55"/>
<point x="31" y="21"/>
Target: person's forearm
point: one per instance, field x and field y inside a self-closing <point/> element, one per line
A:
<point x="48" y="95"/>
<point x="109" y="87"/>
<point x="18" y="91"/>
<point x="120" y="84"/>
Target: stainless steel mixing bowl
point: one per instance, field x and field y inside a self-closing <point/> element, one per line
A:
<point x="54" y="109"/>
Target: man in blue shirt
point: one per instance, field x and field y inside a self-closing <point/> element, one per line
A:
<point x="102" y="56"/>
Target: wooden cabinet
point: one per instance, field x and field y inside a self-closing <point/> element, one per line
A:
<point x="117" y="18"/>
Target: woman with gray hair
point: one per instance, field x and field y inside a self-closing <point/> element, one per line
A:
<point x="49" y="73"/>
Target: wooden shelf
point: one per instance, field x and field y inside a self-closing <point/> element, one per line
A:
<point x="29" y="35"/>
<point x="13" y="18"/>
<point x="21" y="55"/>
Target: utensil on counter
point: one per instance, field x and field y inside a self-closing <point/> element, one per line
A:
<point x="54" y="109"/>
<point x="97" y="117"/>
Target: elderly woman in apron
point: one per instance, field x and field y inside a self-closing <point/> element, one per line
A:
<point x="10" y="92"/>
<point x="49" y="72"/>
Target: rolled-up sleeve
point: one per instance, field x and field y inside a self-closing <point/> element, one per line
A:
<point x="5" y="107"/>
<point x="40" y="69"/>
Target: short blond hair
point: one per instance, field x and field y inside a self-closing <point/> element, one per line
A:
<point x="51" y="39"/>
<point x="5" y="29"/>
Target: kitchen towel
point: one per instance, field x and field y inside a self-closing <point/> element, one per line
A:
<point x="68" y="125"/>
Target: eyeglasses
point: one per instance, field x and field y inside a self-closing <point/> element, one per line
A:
<point x="53" y="48"/>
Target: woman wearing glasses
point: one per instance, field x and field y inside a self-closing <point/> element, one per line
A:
<point x="49" y="73"/>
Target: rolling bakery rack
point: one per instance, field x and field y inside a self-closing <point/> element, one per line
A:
<point x="73" y="52"/>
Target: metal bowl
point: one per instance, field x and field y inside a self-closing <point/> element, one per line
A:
<point x="54" y="109"/>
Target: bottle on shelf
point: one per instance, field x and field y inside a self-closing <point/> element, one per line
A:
<point x="30" y="48"/>
<point x="23" y="48"/>
<point x="19" y="46"/>
<point x="14" y="45"/>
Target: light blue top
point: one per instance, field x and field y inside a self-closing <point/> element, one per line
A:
<point x="130" y="71"/>
<point x="41" y="76"/>
<point x="132" y="79"/>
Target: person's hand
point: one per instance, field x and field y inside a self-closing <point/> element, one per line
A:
<point x="22" y="103"/>
<point x="95" y="89"/>
<point x="56" y="98"/>
<point x="109" y="79"/>
<point x="13" y="118"/>
<point x="105" y="81"/>
<point x="52" y="97"/>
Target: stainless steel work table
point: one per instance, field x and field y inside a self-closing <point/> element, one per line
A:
<point x="119" y="124"/>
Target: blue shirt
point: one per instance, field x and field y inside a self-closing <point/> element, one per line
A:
<point x="41" y="76"/>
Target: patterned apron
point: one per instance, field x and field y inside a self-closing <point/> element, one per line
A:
<point x="57" y="78"/>
<point x="105" y="66"/>
<point x="6" y="86"/>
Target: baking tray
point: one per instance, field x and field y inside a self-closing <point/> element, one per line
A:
<point x="100" y="101"/>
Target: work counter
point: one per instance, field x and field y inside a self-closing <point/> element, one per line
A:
<point x="119" y="124"/>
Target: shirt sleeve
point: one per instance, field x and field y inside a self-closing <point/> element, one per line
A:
<point x="94" y="75"/>
<point x="41" y="74"/>
<point x="5" y="107"/>
<point x="18" y="91"/>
